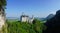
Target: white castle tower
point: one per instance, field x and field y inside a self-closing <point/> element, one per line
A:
<point x="31" y="19"/>
<point x="24" y="18"/>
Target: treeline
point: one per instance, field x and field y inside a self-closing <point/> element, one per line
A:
<point x="24" y="27"/>
<point x="53" y="24"/>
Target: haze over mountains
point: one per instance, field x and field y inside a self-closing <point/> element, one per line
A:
<point x="42" y="19"/>
<point x="47" y="18"/>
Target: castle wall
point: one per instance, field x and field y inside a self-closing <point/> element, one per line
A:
<point x="24" y="19"/>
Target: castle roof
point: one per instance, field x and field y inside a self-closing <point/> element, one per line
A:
<point x="24" y="16"/>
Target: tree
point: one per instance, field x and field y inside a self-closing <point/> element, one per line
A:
<point x="53" y="25"/>
<point x="2" y="12"/>
<point x="37" y="26"/>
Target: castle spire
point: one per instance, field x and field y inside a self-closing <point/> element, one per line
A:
<point x="23" y="13"/>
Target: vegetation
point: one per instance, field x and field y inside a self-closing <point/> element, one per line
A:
<point x="3" y="4"/>
<point x="53" y="25"/>
<point x="24" y="27"/>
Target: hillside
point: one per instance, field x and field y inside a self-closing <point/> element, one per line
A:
<point x="53" y="25"/>
<point x="24" y="27"/>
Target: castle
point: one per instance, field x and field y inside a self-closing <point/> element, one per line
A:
<point x="26" y="18"/>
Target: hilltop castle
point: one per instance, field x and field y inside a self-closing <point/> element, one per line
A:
<point x="26" y="18"/>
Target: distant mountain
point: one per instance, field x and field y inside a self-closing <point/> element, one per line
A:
<point x="42" y="19"/>
<point x="49" y="16"/>
<point x="12" y="18"/>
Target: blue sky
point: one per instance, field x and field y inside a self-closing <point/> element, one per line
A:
<point x="38" y="8"/>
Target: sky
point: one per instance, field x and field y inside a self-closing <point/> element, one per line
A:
<point x="38" y="8"/>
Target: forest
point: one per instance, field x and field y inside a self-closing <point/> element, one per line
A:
<point x="24" y="27"/>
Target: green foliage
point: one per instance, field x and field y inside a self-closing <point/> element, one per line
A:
<point x="4" y="29"/>
<point x="3" y="3"/>
<point x="24" y="27"/>
<point x="38" y="26"/>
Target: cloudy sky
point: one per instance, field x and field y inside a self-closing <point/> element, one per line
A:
<point x="38" y="8"/>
